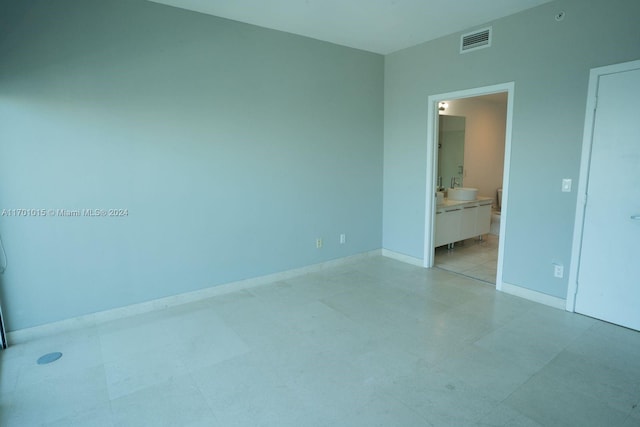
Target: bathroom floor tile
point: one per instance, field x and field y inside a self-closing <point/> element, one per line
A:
<point x="474" y="258"/>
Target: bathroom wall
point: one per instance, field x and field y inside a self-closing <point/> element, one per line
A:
<point x="549" y="63"/>
<point x="231" y="147"/>
<point x="484" y="141"/>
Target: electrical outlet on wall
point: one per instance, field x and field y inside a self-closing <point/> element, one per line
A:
<point x="558" y="271"/>
<point x="343" y="239"/>
<point x="319" y="242"/>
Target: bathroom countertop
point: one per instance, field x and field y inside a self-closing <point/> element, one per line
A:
<point x="450" y="203"/>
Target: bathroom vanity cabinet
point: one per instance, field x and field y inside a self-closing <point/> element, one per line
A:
<point x="457" y="221"/>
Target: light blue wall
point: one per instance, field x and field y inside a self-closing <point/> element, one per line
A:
<point x="549" y="62"/>
<point x="232" y="147"/>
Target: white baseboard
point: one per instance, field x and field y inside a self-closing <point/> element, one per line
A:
<point x="402" y="257"/>
<point x="535" y="296"/>
<point x="93" y="319"/>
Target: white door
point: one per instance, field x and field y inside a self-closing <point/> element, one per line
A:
<point x="608" y="280"/>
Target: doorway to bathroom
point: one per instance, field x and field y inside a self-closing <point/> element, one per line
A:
<point x="468" y="146"/>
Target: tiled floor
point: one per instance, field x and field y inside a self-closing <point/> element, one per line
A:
<point x="373" y="343"/>
<point x="472" y="257"/>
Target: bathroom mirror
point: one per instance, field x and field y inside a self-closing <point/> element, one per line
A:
<point x="450" y="150"/>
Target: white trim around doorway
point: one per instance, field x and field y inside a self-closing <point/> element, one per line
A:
<point x="432" y="136"/>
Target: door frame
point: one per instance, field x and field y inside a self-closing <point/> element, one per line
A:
<point x="432" y="163"/>
<point x="3" y="267"/>
<point x="3" y="336"/>
<point x="583" y="177"/>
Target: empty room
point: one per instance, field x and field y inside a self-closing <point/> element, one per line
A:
<point x="319" y="213"/>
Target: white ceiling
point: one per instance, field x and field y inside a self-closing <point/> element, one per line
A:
<point x="381" y="26"/>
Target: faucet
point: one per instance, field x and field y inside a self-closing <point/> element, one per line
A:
<point x="454" y="182"/>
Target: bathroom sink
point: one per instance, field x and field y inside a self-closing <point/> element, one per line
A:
<point x="462" y="194"/>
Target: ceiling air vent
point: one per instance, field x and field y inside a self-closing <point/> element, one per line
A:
<point x="476" y="40"/>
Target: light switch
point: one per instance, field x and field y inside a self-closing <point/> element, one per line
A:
<point x="566" y="185"/>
